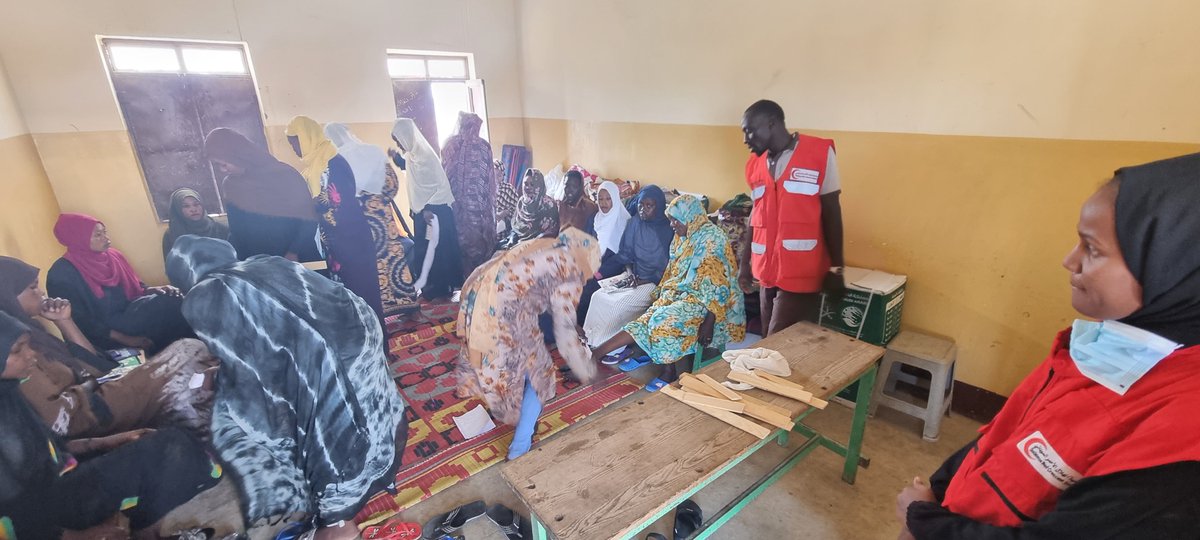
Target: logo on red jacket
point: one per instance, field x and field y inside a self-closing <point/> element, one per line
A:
<point x="1046" y="461"/>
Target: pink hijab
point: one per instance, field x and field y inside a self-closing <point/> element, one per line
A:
<point x="99" y="269"/>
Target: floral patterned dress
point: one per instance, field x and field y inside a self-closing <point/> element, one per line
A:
<point x="701" y="278"/>
<point x="391" y="248"/>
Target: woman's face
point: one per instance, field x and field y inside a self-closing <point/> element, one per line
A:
<point x="226" y="167"/>
<point x="647" y="208"/>
<point x="31" y="299"/>
<point x="192" y="209"/>
<point x="529" y="188"/>
<point x="1102" y="287"/>
<point x="100" y="242"/>
<point x="21" y="360"/>
<point x="604" y="201"/>
<point x="680" y="228"/>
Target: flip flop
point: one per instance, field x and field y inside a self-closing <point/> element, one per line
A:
<point x="615" y="359"/>
<point x="655" y="385"/>
<point x="630" y="364"/>
<point x="452" y="522"/>
<point x="688" y="519"/>
<point x="511" y="523"/>
<point x="655" y="536"/>
<point x="393" y="530"/>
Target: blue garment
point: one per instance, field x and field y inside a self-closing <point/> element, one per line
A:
<point x="1116" y="355"/>
<point x="531" y="409"/>
<point x="646" y="245"/>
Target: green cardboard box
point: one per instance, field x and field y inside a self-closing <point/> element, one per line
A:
<point x="870" y="310"/>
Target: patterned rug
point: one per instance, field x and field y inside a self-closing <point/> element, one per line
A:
<point x="422" y="351"/>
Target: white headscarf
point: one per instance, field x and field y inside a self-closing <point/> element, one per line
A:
<point x="610" y="226"/>
<point x="367" y="161"/>
<point x="427" y="182"/>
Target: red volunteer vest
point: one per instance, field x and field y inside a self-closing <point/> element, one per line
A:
<point x="1059" y="427"/>
<point x="788" y="249"/>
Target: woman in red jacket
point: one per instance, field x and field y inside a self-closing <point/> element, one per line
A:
<point x="1103" y="439"/>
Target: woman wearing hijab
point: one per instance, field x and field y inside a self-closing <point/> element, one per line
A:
<point x="349" y="247"/>
<point x="63" y="386"/>
<point x="609" y="224"/>
<point x="1102" y="440"/>
<point x="699" y="303"/>
<point x="268" y="204"/>
<point x="189" y="217"/>
<point x="306" y="413"/>
<point x="437" y="257"/>
<point x="109" y="302"/>
<point x="48" y="485"/>
<point x="504" y="360"/>
<point x="643" y="254"/>
<point x="536" y="215"/>
<point x="506" y="202"/>
<point x="467" y="159"/>
<point x="377" y="187"/>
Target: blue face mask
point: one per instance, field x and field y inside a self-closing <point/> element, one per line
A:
<point x="1116" y="355"/>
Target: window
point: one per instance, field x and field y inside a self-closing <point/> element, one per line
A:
<point x="171" y="94"/>
<point x="432" y="88"/>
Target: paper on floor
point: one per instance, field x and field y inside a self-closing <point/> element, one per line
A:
<point x="474" y="423"/>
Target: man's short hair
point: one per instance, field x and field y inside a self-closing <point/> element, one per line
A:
<point x="574" y="174"/>
<point x="768" y="108"/>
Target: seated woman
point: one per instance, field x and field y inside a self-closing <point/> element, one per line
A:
<point x="699" y="303"/>
<point x="504" y="360"/>
<point x="436" y="255"/>
<point x="109" y="302"/>
<point x="609" y="224"/>
<point x="188" y="216"/>
<point x="63" y="385"/>
<point x="306" y="413"/>
<point x="645" y="246"/>
<point x="1102" y="440"/>
<point x="536" y="215"/>
<point x="55" y="489"/>
<point x="270" y="209"/>
<point x="345" y="234"/>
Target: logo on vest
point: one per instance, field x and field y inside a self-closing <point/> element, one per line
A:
<point x="805" y="175"/>
<point x="1046" y="461"/>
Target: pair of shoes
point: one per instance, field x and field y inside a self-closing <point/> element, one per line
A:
<point x="452" y="522"/>
<point x="512" y="524"/>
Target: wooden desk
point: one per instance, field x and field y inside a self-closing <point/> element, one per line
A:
<point x="620" y="473"/>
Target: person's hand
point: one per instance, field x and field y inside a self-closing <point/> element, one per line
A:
<point x="56" y="309"/>
<point x="165" y="290"/>
<point x="746" y="279"/>
<point x="705" y="336"/>
<point x="291" y="257"/>
<point x="917" y="491"/>
<point x="835" y="284"/>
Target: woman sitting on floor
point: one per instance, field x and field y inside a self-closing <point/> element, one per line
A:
<point x="188" y="216"/>
<point x="55" y="489"/>
<point x="62" y="386"/>
<point x="643" y="253"/>
<point x="699" y="303"/>
<point x="504" y="360"/>
<point x="305" y="413"/>
<point x="536" y="215"/>
<point x="109" y="302"/>
<point x="1102" y="440"/>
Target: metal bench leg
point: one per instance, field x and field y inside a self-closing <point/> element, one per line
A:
<point x="862" y="404"/>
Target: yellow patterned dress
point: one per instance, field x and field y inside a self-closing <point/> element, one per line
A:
<point x="700" y="278"/>
<point x="391" y="249"/>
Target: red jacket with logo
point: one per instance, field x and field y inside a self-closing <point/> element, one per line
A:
<point x="788" y="248"/>
<point x="1060" y="432"/>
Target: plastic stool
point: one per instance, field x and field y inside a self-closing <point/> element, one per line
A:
<point x="934" y="355"/>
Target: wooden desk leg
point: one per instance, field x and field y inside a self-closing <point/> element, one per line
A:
<point x="862" y="403"/>
<point x="539" y="530"/>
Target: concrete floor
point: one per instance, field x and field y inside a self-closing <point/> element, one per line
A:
<point x="811" y="501"/>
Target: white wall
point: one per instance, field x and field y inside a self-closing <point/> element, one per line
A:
<point x="1077" y="69"/>
<point x="11" y="122"/>
<point x="324" y="59"/>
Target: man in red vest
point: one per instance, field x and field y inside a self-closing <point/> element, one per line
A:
<point x="795" y="233"/>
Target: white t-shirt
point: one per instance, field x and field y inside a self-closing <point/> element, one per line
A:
<point x="832" y="183"/>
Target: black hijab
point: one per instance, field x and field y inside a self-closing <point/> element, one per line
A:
<point x="1158" y="228"/>
<point x="26" y="459"/>
<point x="180" y="225"/>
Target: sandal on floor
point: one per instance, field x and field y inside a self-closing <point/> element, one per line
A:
<point x="688" y="519"/>
<point x="655" y="536"/>
<point x="512" y="524"/>
<point x="392" y="530"/>
<point x="451" y="523"/>
<point x="630" y="364"/>
<point x="655" y="385"/>
<point x="615" y="359"/>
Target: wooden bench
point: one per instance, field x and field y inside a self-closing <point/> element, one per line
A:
<point x="620" y="473"/>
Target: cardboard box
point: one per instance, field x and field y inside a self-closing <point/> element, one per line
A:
<point x="871" y="309"/>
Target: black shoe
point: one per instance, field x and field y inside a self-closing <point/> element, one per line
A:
<point x="452" y="522"/>
<point x="511" y="523"/>
<point x="688" y="519"/>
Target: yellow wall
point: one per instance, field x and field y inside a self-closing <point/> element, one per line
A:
<point x="979" y="224"/>
<point x="28" y="209"/>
